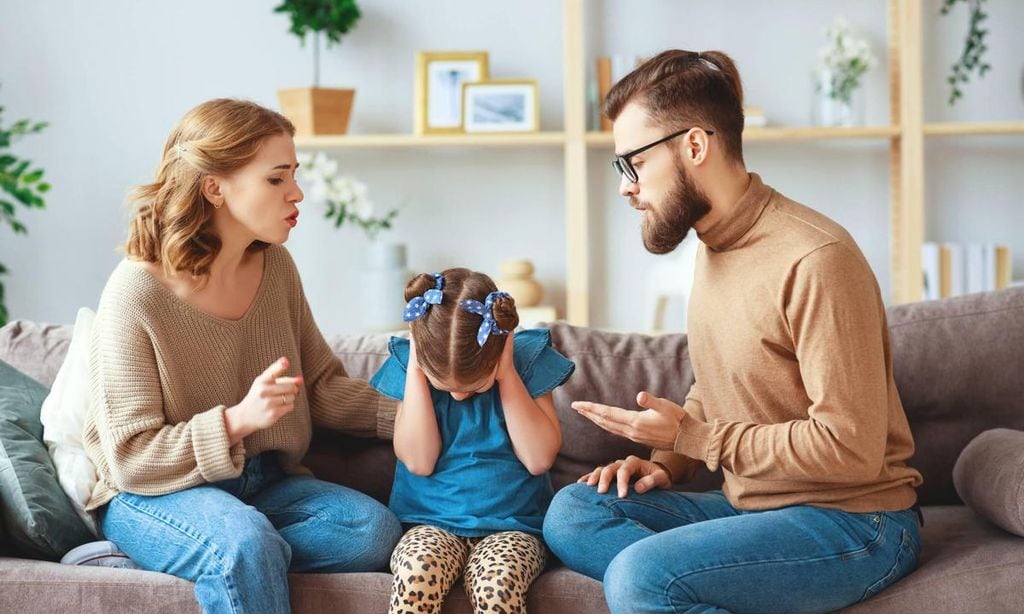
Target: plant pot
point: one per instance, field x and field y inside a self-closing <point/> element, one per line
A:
<point x="317" y="110"/>
<point x="382" y="295"/>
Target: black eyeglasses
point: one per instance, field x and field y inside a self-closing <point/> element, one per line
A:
<point x="625" y="167"/>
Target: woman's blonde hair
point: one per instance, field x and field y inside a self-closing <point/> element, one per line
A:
<point x="172" y="220"/>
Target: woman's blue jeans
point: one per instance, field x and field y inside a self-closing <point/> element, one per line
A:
<point x="666" y="551"/>
<point x="238" y="539"/>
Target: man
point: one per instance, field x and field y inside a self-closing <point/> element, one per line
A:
<point x="794" y="395"/>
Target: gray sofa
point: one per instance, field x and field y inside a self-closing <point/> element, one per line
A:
<point x="960" y="371"/>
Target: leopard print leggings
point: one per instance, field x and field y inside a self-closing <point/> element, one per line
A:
<point x="498" y="570"/>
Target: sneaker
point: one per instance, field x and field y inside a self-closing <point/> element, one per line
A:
<point x="99" y="554"/>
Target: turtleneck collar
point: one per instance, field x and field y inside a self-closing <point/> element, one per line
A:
<point x="725" y="232"/>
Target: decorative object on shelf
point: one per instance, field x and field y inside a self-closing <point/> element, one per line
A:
<point x="517" y="279"/>
<point x="382" y="287"/>
<point x="18" y="182"/>
<point x="506" y="105"/>
<point x="970" y="59"/>
<point x="317" y="110"/>
<point x="439" y="79"/>
<point x="841" y="65"/>
<point x="345" y="198"/>
<point x="754" y="117"/>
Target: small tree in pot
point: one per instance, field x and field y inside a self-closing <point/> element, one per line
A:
<point x="317" y="110"/>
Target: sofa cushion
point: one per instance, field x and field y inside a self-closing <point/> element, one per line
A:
<point x="37" y="350"/>
<point x="989" y="476"/>
<point x="966" y="565"/>
<point x="39" y="518"/>
<point x="958" y="369"/>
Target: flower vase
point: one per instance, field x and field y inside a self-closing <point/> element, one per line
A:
<point x="831" y="108"/>
<point x="382" y="295"/>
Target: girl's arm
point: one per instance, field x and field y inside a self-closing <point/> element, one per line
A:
<point x="417" y="439"/>
<point x="532" y="423"/>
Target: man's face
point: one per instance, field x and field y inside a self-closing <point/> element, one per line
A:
<point x="665" y="193"/>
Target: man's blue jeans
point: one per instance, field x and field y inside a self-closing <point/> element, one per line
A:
<point x="237" y="539"/>
<point x="666" y="551"/>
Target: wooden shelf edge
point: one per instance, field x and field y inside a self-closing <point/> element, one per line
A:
<point x="800" y="133"/>
<point x="974" y="128"/>
<point x="430" y="140"/>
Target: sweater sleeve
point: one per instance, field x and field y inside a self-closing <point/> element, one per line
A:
<point x="837" y="323"/>
<point x="144" y="453"/>
<point x="337" y="401"/>
<point x="681" y="467"/>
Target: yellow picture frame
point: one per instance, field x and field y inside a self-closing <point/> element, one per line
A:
<point x="501" y="106"/>
<point x="439" y="79"/>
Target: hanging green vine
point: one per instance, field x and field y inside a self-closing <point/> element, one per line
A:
<point x="970" y="59"/>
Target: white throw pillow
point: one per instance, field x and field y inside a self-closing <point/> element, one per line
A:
<point x="63" y="417"/>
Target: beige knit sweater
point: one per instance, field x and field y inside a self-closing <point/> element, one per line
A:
<point x="794" y="395"/>
<point x="163" y="372"/>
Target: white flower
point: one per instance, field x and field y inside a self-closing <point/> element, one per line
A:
<point x="844" y="60"/>
<point x="347" y="198"/>
<point x="362" y="208"/>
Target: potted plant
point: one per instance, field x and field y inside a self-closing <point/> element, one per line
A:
<point x="841" y="65"/>
<point x="346" y="200"/>
<point x="19" y="184"/>
<point x="318" y="110"/>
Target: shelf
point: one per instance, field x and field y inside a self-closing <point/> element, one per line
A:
<point x="803" y="133"/>
<point x="345" y="141"/>
<point x="974" y="128"/>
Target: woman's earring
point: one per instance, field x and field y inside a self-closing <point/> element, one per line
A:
<point x="218" y="205"/>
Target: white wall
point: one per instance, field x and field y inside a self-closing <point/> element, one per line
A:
<point x="112" y="77"/>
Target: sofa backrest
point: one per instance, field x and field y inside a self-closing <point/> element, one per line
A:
<point x="959" y="367"/>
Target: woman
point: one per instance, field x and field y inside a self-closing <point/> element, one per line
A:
<point x="209" y="373"/>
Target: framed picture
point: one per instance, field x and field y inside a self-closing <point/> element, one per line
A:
<point x="500" y="106"/>
<point x="439" y="79"/>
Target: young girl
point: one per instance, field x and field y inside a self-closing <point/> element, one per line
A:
<point x="475" y="434"/>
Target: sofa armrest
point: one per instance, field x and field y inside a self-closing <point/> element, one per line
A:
<point x="989" y="477"/>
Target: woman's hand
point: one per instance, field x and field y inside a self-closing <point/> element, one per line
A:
<point x="269" y="399"/>
<point x="649" y="475"/>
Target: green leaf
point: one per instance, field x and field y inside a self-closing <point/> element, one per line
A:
<point x="33" y="177"/>
<point x="43" y="188"/>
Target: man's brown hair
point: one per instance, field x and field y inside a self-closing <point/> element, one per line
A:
<point x="445" y="336"/>
<point x="685" y="89"/>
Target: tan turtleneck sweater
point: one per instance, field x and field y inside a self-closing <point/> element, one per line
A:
<point x="163" y="372"/>
<point x="794" y="394"/>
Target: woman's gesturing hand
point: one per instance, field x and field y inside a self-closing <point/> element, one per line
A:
<point x="270" y="398"/>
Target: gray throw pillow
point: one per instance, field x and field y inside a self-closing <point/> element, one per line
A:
<point x="989" y="477"/>
<point x="39" y="519"/>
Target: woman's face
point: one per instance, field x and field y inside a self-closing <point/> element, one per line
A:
<point x="261" y="198"/>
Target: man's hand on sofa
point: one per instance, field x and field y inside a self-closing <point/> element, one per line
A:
<point x="651" y="475"/>
<point x="656" y="426"/>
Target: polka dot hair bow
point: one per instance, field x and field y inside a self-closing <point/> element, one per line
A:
<point x="485" y="309"/>
<point x="419" y="305"/>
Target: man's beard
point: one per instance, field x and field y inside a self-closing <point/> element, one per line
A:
<point x="664" y="228"/>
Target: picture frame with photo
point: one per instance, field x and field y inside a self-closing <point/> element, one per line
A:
<point x="439" y="79"/>
<point x="501" y="105"/>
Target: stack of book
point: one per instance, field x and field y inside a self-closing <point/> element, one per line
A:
<point x="952" y="269"/>
<point x="609" y="71"/>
